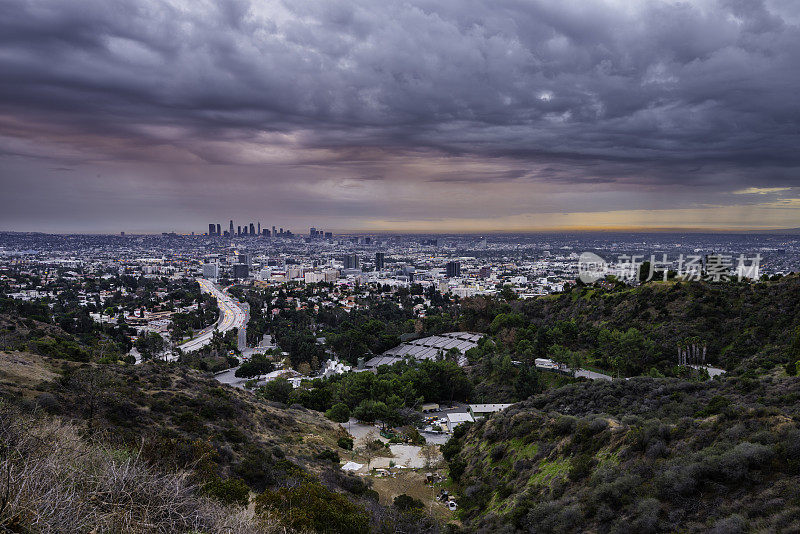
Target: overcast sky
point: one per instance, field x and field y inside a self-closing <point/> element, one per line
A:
<point x="443" y="115"/>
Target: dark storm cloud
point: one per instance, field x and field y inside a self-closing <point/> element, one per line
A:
<point x="612" y="93"/>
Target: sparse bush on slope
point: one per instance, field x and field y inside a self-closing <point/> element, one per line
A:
<point x="53" y="481"/>
<point x="644" y="455"/>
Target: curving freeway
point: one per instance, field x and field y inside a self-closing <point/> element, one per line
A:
<point x="232" y="316"/>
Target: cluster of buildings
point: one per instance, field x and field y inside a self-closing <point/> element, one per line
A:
<point x="380" y="263"/>
<point x="255" y="230"/>
<point x="459" y="266"/>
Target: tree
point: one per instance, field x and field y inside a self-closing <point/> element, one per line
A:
<point x="505" y="368"/>
<point x="452" y="354"/>
<point x="338" y="413"/>
<point x="278" y="390"/>
<point x="561" y="355"/>
<point x="370" y="411"/>
<point x="644" y="272"/>
<point x="527" y="382"/>
<point x="255" y="367"/>
<point x="576" y="361"/>
<point x="508" y="293"/>
<point x="149" y="345"/>
<point x="93" y="388"/>
<point x="369" y="450"/>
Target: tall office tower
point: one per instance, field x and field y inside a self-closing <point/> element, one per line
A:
<point x="241" y="271"/>
<point x="219" y="229"/>
<point x="252" y="229"/>
<point x="380" y="258"/>
<point x="259" y="227"/>
<point x="328" y="235"/>
<point x="351" y="261"/>
<point x="231" y="229"/>
<point x="266" y="232"/>
<point x="211" y="270"/>
<point x="211" y="229"/>
<point x="281" y="231"/>
<point x="274" y="233"/>
<point x="312" y="232"/>
<point x="453" y="269"/>
<point x="238" y="230"/>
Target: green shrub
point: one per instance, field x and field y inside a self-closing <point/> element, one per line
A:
<point x="451" y="449"/>
<point x="457" y="467"/>
<point x="405" y="503"/>
<point x="716" y="405"/>
<point x="310" y="506"/>
<point x="581" y="467"/>
<point x="228" y="491"/>
<point x="329" y="455"/>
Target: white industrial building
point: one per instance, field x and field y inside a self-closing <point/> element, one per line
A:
<point x="428" y="348"/>
<point x="455" y="419"/>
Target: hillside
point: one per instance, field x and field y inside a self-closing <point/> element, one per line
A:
<point x="644" y="455"/>
<point x="167" y="400"/>
<point x="218" y="447"/>
<point x="633" y="331"/>
<point x="662" y="451"/>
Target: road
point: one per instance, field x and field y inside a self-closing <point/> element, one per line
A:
<point x="592" y="375"/>
<point x="232" y="316"/>
<point x="228" y="376"/>
<point x="550" y="365"/>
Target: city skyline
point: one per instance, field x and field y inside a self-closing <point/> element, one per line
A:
<point x="147" y="117"/>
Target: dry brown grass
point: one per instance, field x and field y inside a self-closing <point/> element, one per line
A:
<point x="24" y="368"/>
<point x="53" y="481"/>
<point x="412" y="483"/>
